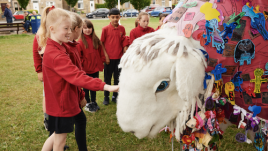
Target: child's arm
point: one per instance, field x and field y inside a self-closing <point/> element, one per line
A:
<point x="103" y="38"/>
<point x="102" y="55"/>
<point x="64" y="67"/>
<point x="125" y="41"/>
<point x="80" y="51"/>
<point x="132" y="37"/>
<point x="37" y="60"/>
<point x="107" y="59"/>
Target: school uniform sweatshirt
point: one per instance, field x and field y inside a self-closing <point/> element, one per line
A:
<point x="36" y="56"/>
<point x="138" y="32"/>
<point x="114" y="40"/>
<point x="92" y="59"/>
<point x="75" y="57"/>
<point x="62" y="79"/>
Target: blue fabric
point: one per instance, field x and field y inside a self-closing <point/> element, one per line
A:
<point x="9" y="20"/>
<point x="27" y="25"/>
<point x="8" y="14"/>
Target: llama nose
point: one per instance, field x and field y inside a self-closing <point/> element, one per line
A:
<point x="132" y="132"/>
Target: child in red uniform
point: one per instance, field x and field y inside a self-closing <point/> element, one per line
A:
<point x="114" y="39"/>
<point x="92" y="57"/>
<point x="80" y="119"/>
<point x="62" y="79"/>
<point x="38" y="69"/>
<point x="161" y="19"/>
<point x="142" y="28"/>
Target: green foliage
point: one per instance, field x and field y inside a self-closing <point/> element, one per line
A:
<point x="100" y="5"/>
<point x="139" y="4"/>
<point x="71" y="3"/>
<point x="31" y="11"/>
<point x="112" y="3"/>
<point x="23" y="3"/>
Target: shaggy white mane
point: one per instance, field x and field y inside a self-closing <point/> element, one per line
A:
<point x="148" y="47"/>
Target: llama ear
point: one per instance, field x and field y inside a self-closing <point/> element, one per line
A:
<point x="189" y="75"/>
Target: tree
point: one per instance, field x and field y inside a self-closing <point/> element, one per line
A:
<point x="23" y="3"/>
<point x="112" y="3"/>
<point x="71" y="3"/>
<point x="140" y="4"/>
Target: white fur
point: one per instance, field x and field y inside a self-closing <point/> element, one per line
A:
<point x="163" y="56"/>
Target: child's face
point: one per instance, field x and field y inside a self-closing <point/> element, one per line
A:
<point x="114" y="20"/>
<point x="161" y="21"/>
<point x="86" y="30"/>
<point x="25" y="13"/>
<point x="61" y="32"/>
<point x="144" y="21"/>
<point x="77" y="32"/>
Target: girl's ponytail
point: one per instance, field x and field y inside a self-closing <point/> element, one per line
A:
<point x="42" y="31"/>
<point x="50" y="17"/>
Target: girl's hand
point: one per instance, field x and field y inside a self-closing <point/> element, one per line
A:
<point x="107" y="60"/>
<point x="111" y="88"/>
<point x="125" y="49"/>
<point x="40" y="76"/>
<point x="83" y="103"/>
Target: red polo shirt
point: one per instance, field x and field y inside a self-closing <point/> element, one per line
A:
<point x="92" y="59"/>
<point x="62" y="80"/>
<point x="36" y="56"/>
<point x="114" y="40"/>
<point x="138" y="32"/>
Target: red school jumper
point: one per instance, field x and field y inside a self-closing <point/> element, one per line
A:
<point x="114" y="40"/>
<point x="138" y="32"/>
<point x="36" y="56"/>
<point x="92" y="59"/>
<point x="62" y="80"/>
<point x="74" y="56"/>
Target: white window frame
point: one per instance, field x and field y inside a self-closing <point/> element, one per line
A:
<point x="81" y="4"/>
<point x="163" y="2"/>
<point x="49" y="3"/>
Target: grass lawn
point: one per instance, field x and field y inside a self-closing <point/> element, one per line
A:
<point x="21" y="116"/>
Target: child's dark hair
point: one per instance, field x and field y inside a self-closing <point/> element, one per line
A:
<point x="139" y="17"/>
<point x="114" y="11"/>
<point x="162" y="15"/>
<point x="95" y="39"/>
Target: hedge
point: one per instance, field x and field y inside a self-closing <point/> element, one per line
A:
<point x="31" y="11"/>
<point x="100" y="6"/>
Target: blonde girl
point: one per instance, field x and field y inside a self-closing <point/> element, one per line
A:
<point x="62" y="78"/>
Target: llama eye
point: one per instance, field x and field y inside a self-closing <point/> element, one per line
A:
<point x="162" y="86"/>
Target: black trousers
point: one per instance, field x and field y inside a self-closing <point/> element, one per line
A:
<point x="92" y="93"/>
<point x="80" y="122"/>
<point x="109" y="71"/>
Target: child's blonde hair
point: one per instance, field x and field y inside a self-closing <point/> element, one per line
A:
<point x="50" y="16"/>
<point x="139" y="17"/>
<point x="76" y="21"/>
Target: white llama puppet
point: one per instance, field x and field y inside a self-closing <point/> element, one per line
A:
<point x="161" y="79"/>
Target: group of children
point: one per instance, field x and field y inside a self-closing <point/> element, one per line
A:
<point x="66" y="66"/>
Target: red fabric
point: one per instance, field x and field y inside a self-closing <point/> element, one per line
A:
<point x="138" y="32"/>
<point x="74" y="56"/>
<point x="228" y="7"/>
<point x="157" y="28"/>
<point x="114" y="40"/>
<point x="62" y="80"/>
<point x="36" y="57"/>
<point x="92" y="59"/>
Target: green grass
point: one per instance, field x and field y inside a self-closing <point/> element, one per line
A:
<point x="21" y="117"/>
